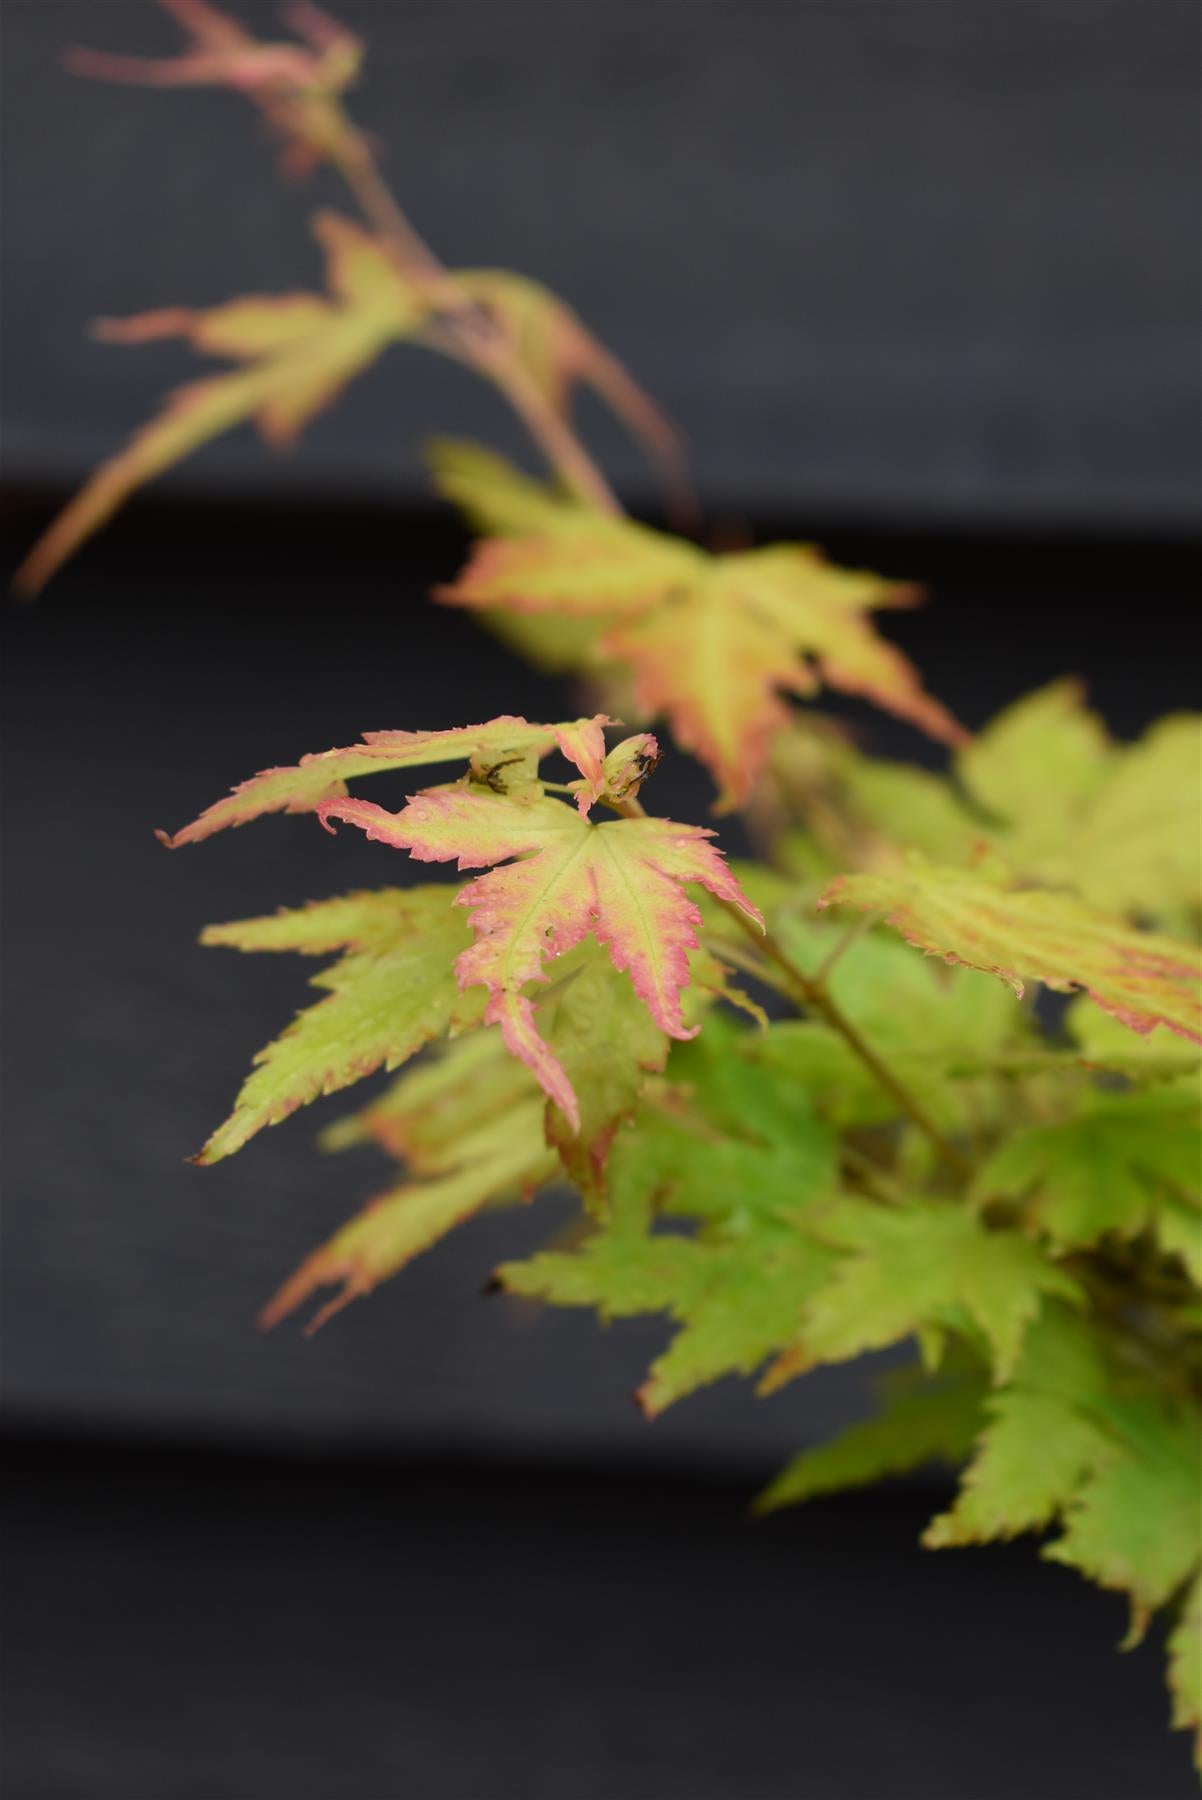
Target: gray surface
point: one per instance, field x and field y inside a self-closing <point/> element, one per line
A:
<point x="210" y="1628"/>
<point x="961" y="238"/>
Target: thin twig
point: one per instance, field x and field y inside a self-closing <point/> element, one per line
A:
<point x="878" y="1181"/>
<point x="479" y="340"/>
<point x="812" y="995"/>
<point x="855" y="931"/>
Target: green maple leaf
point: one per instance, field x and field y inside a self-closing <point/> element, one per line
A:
<point x="929" y="1264"/>
<point x="857" y="811"/>
<point x="1185" y="1667"/>
<point x="1036" y="766"/>
<point x="1042" y="1435"/>
<point x="744" y="1161"/>
<point x="1076" y="1440"/>
<point x="391" y="993"/>
<point x="1116" y="823"/>
<point x="1043" y="786"/>
<point x="1178" y="1227"/>
<point x="1105" y="1043"/>
<point x="1024" y="935"/>
<point x="1136" y="1523"/>
<point x="1107" y="1169"/>
<point x="943" y="1031"/>
<point x="606" y="1043"/>
<point x="735" y="1302"/>
<point x="921" y="1420"/>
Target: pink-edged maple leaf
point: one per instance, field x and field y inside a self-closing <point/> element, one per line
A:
<point x="501" y="753"/>
<point x="296" y="85"/>
<point x="562" y="878"/>
<point x="295" y="353"/>
<point x="712" y="642"/>
<point x="1024" y="934"/>
<point x="560" y="354"/>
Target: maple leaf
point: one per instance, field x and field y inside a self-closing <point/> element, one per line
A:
<point x="743" y="1160"/>
<point x="1023" y="935"/>
<point x="297" y="352"/>
<point x="1117" y="823"/>
<point x="501" y="754"/>
<point x="559" y="354"/>
<point x="930" y="1264"/>
<point x="1185" y="1667"/>
<point x="1136" y="1523"/>
<point x="471" y="1138"/>
<point x="296" y="85"/>
<point x="735" y="1302"/>
<point x="712" y="642"/>
<point x="1104" y="1043"/>
<point x="1118" y="1467"/>
<point x="1043" y="786"/>
<point x="1041" y="1436"/>
<point x="623" y="882"/>
<point x="494" y="496"/>
<point x="921" y="1420"/>
<point x="460" y="1083"/>
<point x="1105" y="1170"/>
<point x="1038" y="762"/>
<point x="642" y="917"/>
<point x="826" y="805"/>
<point x="392" y="993"/>
<point x="606" y="1042"/>
<point x="946" y="1033"/>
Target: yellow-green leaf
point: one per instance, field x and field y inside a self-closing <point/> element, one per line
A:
<point x="927" y="1264"/>
<point x="1185" y="1667"/>
<point x="1023" y="935"/>
<point x="500" y="1159"/>
<point x="297" y="352"/>
<point x="392" y="993"/>
<point x="920" y="1421"/>
<point x="502" y="754"/>
<point x="1042" y="1435"/>
<point x="712" y="642"/>
<point x="1106" y="1169"/>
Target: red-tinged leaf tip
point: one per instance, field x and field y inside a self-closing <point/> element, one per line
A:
<point x="714" y="643"/>
<point x="624" y="882"/>
<point x="322" y="776"/>
<point x="514" y="1013"/>
<point x="1028" y="934"/>
<point x="145" y="328"/>
<point x="315" y="1272"/>
<point x="584" y="745"/>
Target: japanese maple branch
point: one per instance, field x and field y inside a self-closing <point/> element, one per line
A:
<point x="482" y="345"/>
<point x="812" y="993"/>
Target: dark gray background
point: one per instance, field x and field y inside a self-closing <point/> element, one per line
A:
<point x="917" y="259"/>
<point x="919" y="279"/>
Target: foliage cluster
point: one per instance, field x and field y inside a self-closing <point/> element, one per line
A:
<point x="812" y="1105"/>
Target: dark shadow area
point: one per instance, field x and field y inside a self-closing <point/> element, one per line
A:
<point x="183" y="1627"/>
